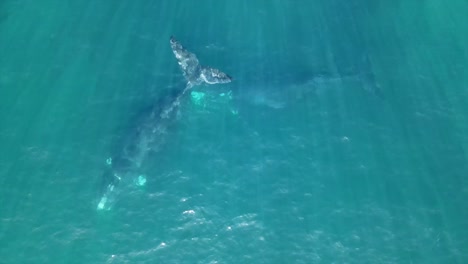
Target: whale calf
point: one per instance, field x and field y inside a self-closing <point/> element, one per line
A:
<point x="128" y="163"/>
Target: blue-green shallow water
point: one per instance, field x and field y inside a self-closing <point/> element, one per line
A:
<point x="366" y="163"/>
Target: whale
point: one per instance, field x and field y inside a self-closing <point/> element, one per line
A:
<point x="128" y="163"/>
<point x="282" y="92"/>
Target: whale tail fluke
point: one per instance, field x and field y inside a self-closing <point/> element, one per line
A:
<point x="193" y="72"/>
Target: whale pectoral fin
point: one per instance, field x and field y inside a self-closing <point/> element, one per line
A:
<point x="212" y="76"/>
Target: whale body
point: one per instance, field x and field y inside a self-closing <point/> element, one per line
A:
<point x="149" y="135"/>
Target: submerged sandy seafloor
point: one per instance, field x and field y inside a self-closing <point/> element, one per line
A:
<point x="341" y="140"/>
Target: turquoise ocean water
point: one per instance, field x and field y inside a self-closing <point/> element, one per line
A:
<point x="342" y="139"/>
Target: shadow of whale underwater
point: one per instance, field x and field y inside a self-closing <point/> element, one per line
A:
<point x="149" y="134"/>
